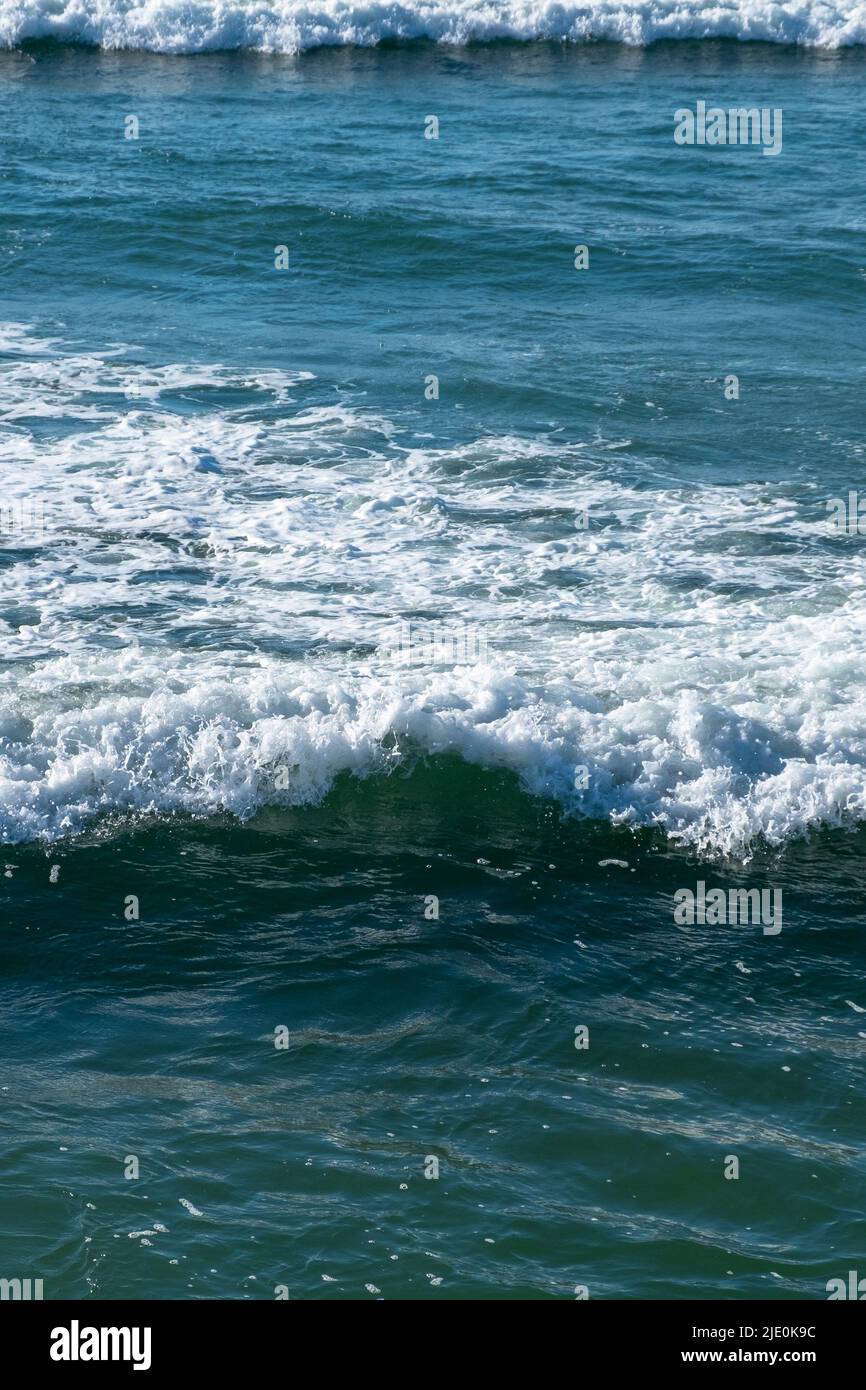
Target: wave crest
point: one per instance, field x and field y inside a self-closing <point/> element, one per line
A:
<point x="286" y="26"/>
<point x="712" y="778"/>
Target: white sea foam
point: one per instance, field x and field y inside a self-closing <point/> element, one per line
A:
<point x="205" y="623"/>
<point x="287" y="26"/>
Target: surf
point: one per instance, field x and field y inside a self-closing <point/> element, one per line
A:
<point x="285" y="26"/>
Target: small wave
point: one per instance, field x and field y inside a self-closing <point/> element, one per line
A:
<point x="286" y="26"/>
<point x="713" y="779"/>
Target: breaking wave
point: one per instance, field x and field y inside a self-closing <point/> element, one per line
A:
<point x="265" y="553"/>
<point x="287" y="26"/>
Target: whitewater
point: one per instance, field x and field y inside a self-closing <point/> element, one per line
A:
<point x="286" y="26"/>
<point x="207" y="621"/>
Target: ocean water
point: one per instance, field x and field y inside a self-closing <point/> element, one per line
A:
<point x="387" y="637"/>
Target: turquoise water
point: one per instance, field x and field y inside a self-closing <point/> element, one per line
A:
<point x="249" y="497"/>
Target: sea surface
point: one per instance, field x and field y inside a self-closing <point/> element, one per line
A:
<point x="394" y="617"/>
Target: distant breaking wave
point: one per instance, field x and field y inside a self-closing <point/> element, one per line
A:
<point x="287" y="26"/>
